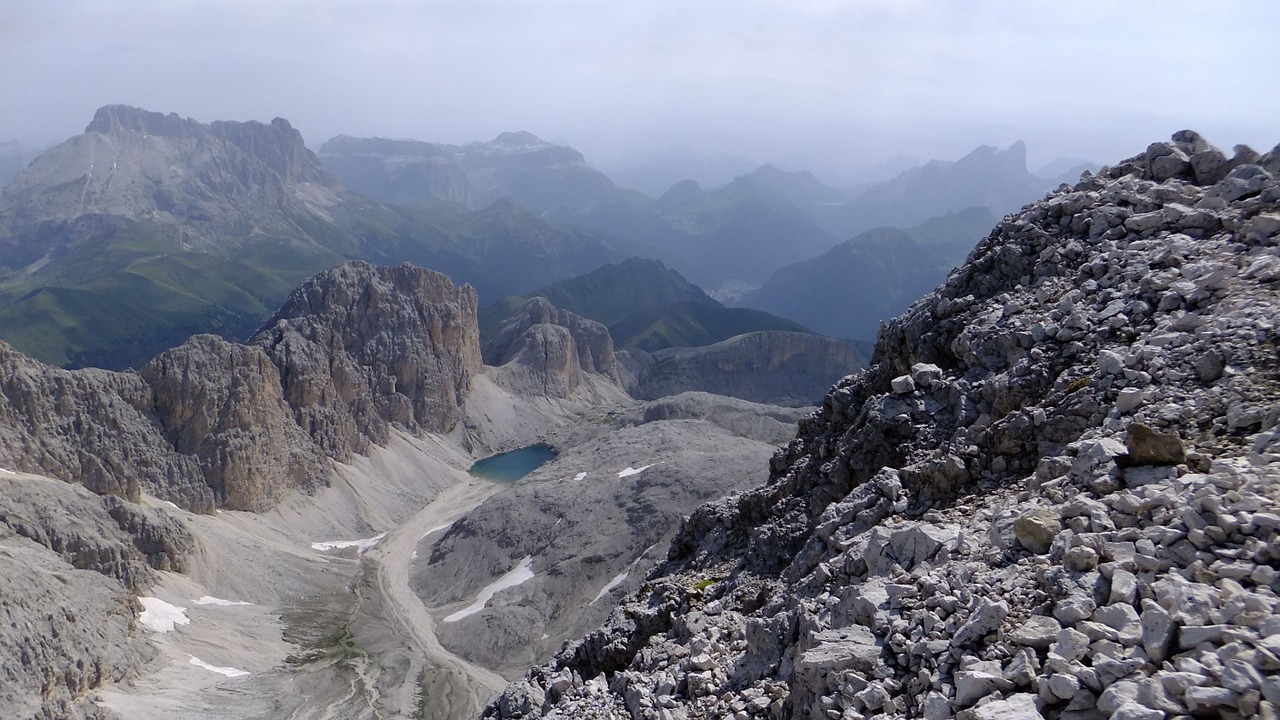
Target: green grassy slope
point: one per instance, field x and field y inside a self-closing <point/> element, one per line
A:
<point x="693" y="325"/>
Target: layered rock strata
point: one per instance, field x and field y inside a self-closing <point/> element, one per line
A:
<point x="1053" y="494"/>
<point x="352" y="353"/>
<point x="362" y="348"/>
<point x="216" y="180"/>
<point x="549" y="351"/>
<point x="72" y="564"/>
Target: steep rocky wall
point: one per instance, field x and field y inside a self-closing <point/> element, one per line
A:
<point x="90" y="427"/>
<point x="362" y="347"/>
<point x="210" y="423"/>
<point x="548" y="351"/>
<point x="1053" y="493"/>
<point x="72" y="564"/>
<point x="223" y="405"/>
<point x="215" y="180"/>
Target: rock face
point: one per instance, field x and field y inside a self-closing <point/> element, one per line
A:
<point x="353" y="353"/>
<point x="205" y="177"/>
<point x="781" y="368"/>
<point x="361" y="348"/>
<point x="73" y="563"/>
<point x="222" y="404"/>
<point x="89" y="427"/>
<point x="895" y="564"/>
<point x="552" y="347"/>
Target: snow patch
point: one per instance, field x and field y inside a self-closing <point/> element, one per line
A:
<point x="520" y="573"/>
<point x="579" y="477"/>
<point x="211" y="600"/>
<point x="615" y="582"/>
<point x="228" y="671"/>
<point x="7" y="471"/>
<point x="172" y="505"/>
<point x="437" y="528"/>
<point x="362" y="545"/>
<point x="634" y="471"/>
<point x="160" y="615"/>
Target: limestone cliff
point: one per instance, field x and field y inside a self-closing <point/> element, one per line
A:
<point x="354" y="352"/>
<point x="73" y="563"/>
<point x="361" y="348"/>
<point x="550" y="351"/>
<point x="222" y="404"/>
<point x="90" y="427"/>
<point x="214" y="180"/>
<point x="1052" y="494"/>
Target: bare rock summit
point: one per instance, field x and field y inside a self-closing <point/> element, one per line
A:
<point x="361" y="348"/>
<point x="353" y="353"/>
<point x="978" y="543"/>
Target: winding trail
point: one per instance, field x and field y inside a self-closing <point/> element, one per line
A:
<point x="449" y="687"/>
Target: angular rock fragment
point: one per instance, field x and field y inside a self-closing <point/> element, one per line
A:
<point x="1148" y="446"/>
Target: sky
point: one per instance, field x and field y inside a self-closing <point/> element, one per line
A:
<point x="827" y="84"/>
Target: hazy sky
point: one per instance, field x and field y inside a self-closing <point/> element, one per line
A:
<point x="841" y="82"/>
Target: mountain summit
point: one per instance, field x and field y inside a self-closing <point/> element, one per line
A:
<point x="987" y="177"/>
<point x="148" y="228"/>
<point x="218" y="181"/>
<point x="1051" y="494"/>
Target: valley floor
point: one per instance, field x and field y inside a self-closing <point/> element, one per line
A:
<point x="381" y="596"/>
<point x="328" y="632"/>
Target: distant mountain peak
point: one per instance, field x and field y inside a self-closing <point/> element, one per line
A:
<point x="207" y="179"/>
<point x="112" y="119"/>
<point x="681" y="191"/>
<point x="1012" y="158"/>
<point x="510" y="143"/>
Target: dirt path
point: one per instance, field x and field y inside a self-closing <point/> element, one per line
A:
<point x="436" y="683"/>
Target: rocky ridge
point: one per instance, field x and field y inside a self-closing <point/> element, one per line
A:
<point x="73" y="563"/>
<point x="1053" y="493"/>
<point x="214" y="180"/>
<point x="361" y="348"/>
<point x="353" y="353"/>
<point x="550" y="349"/>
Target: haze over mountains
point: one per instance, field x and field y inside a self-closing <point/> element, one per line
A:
<point x="449" y="394"/>
<point x="722" y="237"/>
<point x="148" y="228"/>
<point x="293" y="514"/>
<point x="849" y="290"/>
<point x="178" y="227"/>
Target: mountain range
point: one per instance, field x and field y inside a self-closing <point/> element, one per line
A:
<point x="996" y="179"/>
<point x="146" y="228"/>
<point x="852" y="288"/>
<point x="122" y="241"/>
<point x="724" y="237"/>
<point x="646" y="306"/>
<point x="1051" y="495"/>
<point x="1050" y="492"/>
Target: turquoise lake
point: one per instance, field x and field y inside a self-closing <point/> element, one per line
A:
<point x="512" y="465"/>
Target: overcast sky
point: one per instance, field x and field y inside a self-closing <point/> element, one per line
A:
<point x="841" y="82"/>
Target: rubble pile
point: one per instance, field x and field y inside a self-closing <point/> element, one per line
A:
<point x="1054" y="494"/>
